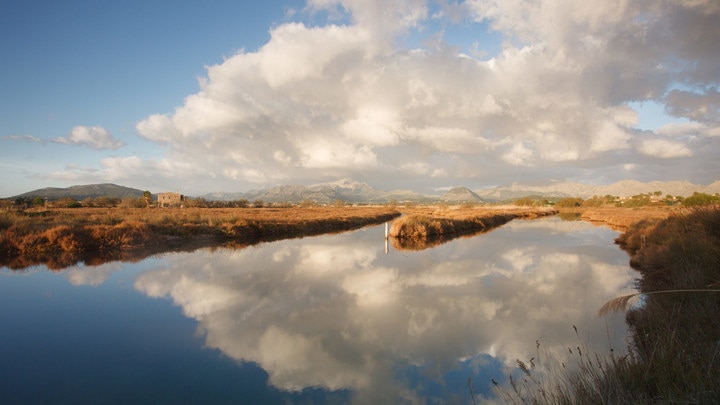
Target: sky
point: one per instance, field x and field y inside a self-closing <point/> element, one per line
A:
<point x="220" y="95"/>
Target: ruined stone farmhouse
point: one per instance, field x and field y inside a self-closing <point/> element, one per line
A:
<point x="170" y="199"/>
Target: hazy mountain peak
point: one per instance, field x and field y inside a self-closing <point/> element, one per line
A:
<point x="345" y="183"/>
<point x="460" y="194"/>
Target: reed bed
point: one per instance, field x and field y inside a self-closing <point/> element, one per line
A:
<point x="674" y="347"/>
<point x="425" y="227"/>
<point x="62" y="237"/>
<point x="618" y="218"/>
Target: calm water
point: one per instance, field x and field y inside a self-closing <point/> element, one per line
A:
<point x="329" y="319"/>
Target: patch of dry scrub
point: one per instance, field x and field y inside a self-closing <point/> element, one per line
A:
<point x="618" y="218"/>
<point x="422" y="228"/>
<point x="63" y="237"/>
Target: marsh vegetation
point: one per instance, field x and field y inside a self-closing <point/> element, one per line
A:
<point x="426" y="227"/>
<point x="674" y="348"/>
<point x="62" y="237"/>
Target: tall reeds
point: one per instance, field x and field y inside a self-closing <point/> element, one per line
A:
<point x="422" y="230"/>
<point x="674" y="348"/>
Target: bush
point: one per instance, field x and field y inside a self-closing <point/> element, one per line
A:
<point x="569" y="202"/>
<point x="699" y="199"/>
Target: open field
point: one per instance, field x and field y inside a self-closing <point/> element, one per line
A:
<point x="62" y="237"/>
<point x="619" y="218"/>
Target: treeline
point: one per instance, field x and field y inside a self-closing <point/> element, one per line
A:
<point x="640" y="200"/>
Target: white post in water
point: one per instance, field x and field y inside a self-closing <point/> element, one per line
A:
<point x="386" y="238"/>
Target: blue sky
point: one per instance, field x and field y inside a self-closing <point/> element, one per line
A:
<point x="211" y="96"/>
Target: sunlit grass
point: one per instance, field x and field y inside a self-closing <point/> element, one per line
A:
<point x="428" y="226"/>
<point x="674" y="348"/>
<point x="61" y="237"/>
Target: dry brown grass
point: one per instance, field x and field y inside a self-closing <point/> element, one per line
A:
<point x="674" y="353"/>
<point x="425" y="227"/>
<point x="619" y="218"/>
<point x="62" y="237"/>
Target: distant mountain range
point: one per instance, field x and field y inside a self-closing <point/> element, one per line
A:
<point x="345" y="189"/>
<point x="625" y="188"/>
<point x="360" y="192"/>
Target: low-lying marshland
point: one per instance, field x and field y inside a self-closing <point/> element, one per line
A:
<point x="63" y="237"/>
<point x="674" y="346"/>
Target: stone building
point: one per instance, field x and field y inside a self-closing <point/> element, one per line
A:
<point x="170" y="199"/>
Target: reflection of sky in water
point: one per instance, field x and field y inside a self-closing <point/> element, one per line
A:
<point x="337" y="312"/>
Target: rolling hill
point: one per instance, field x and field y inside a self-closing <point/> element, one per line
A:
<point x="84" y="191"/>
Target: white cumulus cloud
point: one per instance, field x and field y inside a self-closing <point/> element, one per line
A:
<point x="347" y="98"/>
<point x="94" y="137"/>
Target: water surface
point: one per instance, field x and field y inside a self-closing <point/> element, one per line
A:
<point x="328" y="319"/>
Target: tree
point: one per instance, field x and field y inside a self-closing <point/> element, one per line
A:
<point x="148" y="197"/>
<point x="241" y="203"/>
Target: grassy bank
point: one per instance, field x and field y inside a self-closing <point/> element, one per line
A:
<point x="674" y="351"/>
<point x="425" y="227"/>
<point x="617" y="218"/>
<point x="62" y="237"/>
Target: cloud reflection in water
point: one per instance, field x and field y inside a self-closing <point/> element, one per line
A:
<point x="337" y="312"/>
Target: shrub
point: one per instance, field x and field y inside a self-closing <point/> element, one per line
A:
<point x="699" y="199"/>
<point x="569" y="202"/>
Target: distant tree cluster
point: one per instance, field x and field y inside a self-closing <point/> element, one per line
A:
<point x="531" y="202"/>
<point x="638" y="200"/>
<point x="569" y="202"/>
<point x="701" y="199"/>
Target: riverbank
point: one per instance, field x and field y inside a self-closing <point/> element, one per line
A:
<point x="674" y="343"/>
<point x="617" y="218"/>
<point x="59" y="238"/>
<point x="676" y="331"/>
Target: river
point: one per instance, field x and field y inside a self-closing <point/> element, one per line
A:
<point x="342" y="318"/>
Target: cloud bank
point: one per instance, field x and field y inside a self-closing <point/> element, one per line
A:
<point x="350" y="97"/>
